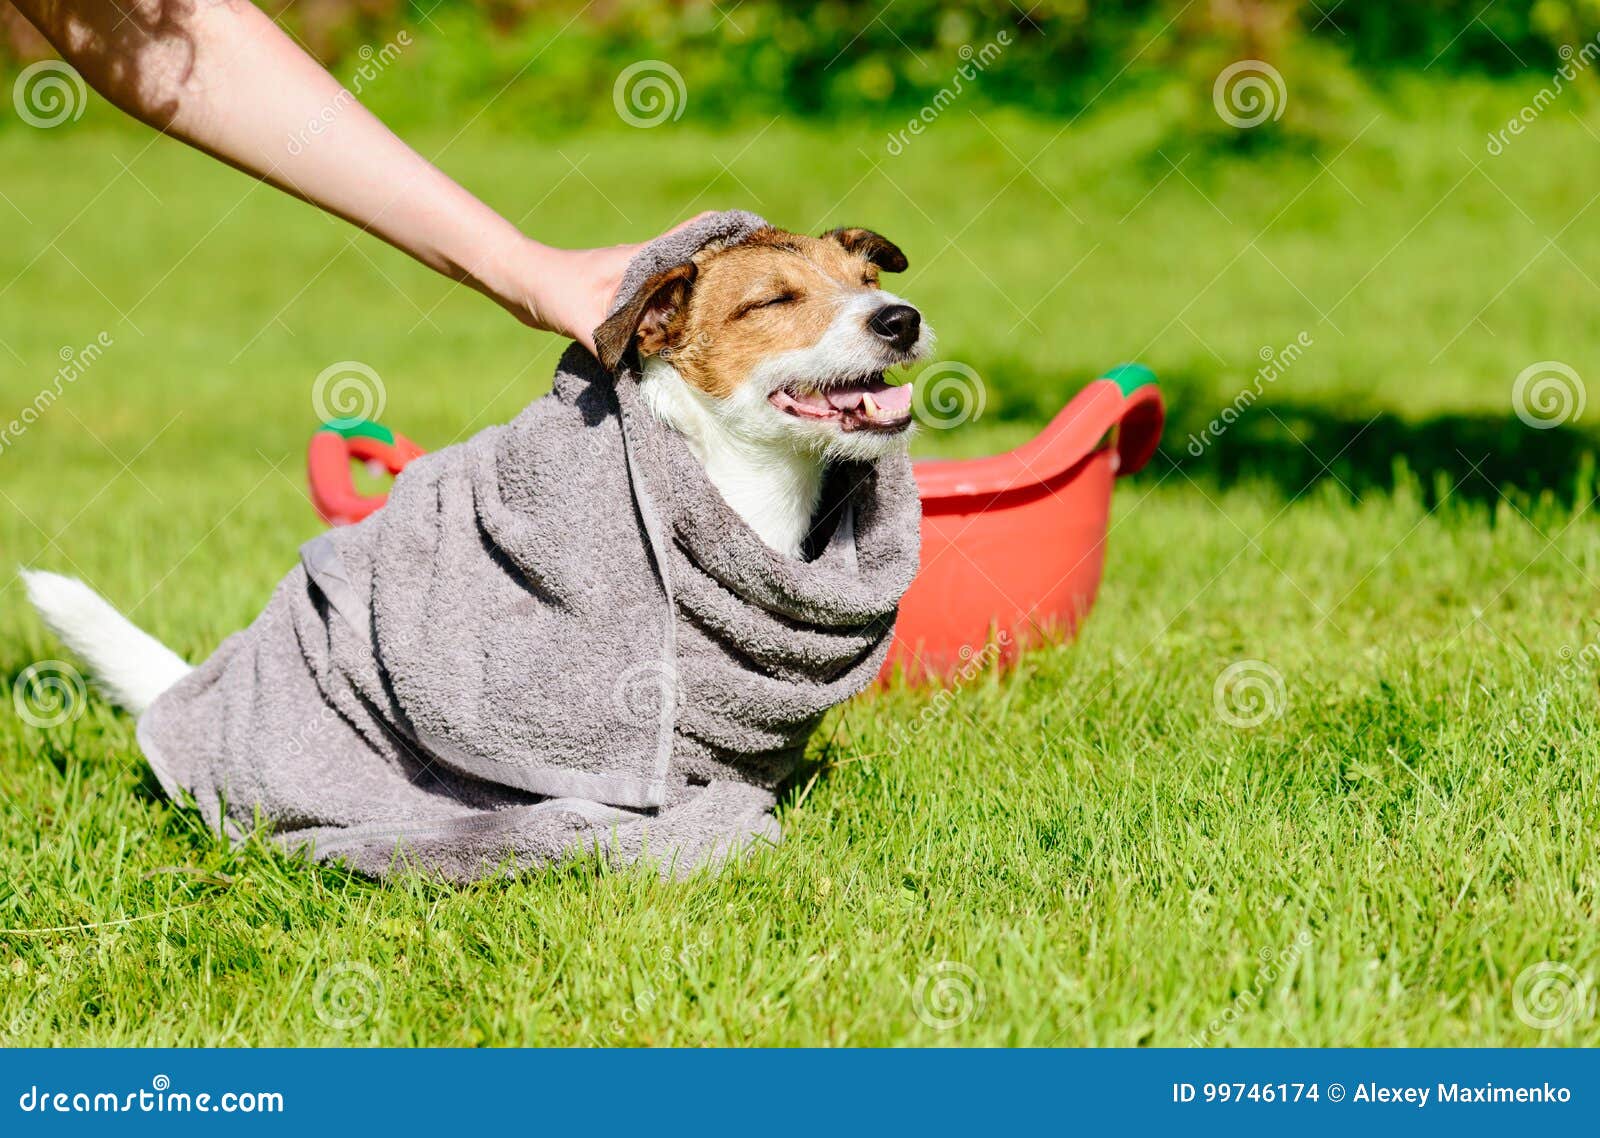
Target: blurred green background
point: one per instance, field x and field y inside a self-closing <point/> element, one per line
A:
<point x="1386" y="526"/>
<point x="846" y="58"/>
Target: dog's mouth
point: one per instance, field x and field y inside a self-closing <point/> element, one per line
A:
<point x="865" y="404"/>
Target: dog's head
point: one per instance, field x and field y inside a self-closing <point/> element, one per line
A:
<point x="785" y="338"/>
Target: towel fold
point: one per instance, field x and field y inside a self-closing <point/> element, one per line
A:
<point x="555" y="636"/>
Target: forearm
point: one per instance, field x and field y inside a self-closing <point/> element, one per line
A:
<point x="220" y="75"/>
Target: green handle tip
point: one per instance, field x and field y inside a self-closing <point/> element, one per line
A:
<point x="1130" y="377"/>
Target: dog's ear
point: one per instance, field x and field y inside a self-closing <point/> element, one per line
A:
<point x="873" y="246"/>
<point x="645" y="319"/>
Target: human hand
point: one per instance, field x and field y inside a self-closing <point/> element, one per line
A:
<point x="566" y="291"/>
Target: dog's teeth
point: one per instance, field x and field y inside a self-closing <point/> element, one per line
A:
<point x="871" y="403"/>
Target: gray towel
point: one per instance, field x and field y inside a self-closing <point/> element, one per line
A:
<point x="556" y="636"/>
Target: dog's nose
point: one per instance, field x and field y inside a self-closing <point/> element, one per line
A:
<point x="897" y="323"/>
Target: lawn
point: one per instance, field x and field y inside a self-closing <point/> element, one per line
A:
<point x="1097" y="847"/>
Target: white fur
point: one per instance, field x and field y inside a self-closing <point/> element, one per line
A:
<point x="768" y="465"/>
<point x="131" y="666"/>
<point x="774" y="488"/>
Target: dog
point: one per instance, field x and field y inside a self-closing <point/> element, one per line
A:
<point x="768" y="355"/>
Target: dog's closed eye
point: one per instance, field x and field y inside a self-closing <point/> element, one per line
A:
<point x="765" y="302"/>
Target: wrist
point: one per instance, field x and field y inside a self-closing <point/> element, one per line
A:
<point x="565" y="291"/>
<point x="508" y="270"/>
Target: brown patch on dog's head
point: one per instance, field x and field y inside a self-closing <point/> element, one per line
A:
<point x="734" y="305"/>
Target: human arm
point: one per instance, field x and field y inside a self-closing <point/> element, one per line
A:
<point x="223" y="77"/>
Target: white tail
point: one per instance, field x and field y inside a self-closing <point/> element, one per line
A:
<point x="131" y="666"/>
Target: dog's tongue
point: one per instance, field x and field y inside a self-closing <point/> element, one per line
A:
<point x="844" y="398"/>
<point x="894" y="400"/>
<point x="889" y="402"/>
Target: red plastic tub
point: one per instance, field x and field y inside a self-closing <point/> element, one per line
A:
<point x="1012" y="545"/>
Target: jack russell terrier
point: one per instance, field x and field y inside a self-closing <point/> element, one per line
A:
<point x="763" y="353"/>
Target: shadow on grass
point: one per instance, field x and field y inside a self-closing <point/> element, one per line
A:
<point x="1478" y="458"/>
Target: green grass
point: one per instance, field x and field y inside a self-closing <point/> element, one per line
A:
<point x="1113" y="861"/>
